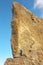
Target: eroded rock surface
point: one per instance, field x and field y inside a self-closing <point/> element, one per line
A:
<point x="27" y="37"/>
<point x="23" y="61"/>
<point x="27" y="31"/>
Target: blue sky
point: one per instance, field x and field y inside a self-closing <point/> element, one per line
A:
<point x="35" y="6"/>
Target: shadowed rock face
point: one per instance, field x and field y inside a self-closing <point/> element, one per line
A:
<point x="27" y="37"/>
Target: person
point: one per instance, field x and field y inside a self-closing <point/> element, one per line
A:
<point x="20" y="52"/>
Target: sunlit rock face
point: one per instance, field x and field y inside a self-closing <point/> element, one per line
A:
<point x="22" y="61"/>
<point x="27" y="31"/>
<point x="27" y="37"/>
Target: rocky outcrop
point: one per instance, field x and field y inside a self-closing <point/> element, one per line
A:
<point x="27" y="37"/>
<point x="22" y="61"/>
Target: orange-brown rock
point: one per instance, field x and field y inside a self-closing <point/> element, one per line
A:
<point x="22" y="61"/>
<point x="27" y="37"/>
<point x="27" y="32"/>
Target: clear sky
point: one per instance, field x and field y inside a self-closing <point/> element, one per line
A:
<point x="35" y="6"/>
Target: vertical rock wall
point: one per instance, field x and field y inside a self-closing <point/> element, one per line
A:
<point x="27" y="37"/>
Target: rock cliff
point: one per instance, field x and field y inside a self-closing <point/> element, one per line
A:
<point x="27" y="37"/>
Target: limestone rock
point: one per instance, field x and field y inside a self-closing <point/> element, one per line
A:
<point x="27" y="37"/>
<point x="22" y="61"/>
<point x="27" y="33"/>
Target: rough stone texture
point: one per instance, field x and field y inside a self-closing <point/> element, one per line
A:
<point x="22" y="61"/>
<point x="27" y="37"/>
<point x="27" y="32"/>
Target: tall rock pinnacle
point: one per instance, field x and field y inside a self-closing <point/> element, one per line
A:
<point x="27" y="37"/>
<point x="27" y="31"/>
